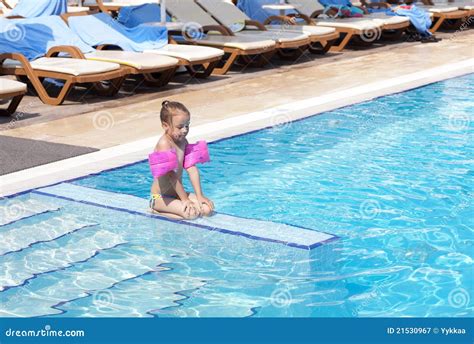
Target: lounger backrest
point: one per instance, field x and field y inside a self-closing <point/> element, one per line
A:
<point x="100" y="28"/>
<point x="225" y="12"/>
<point x="33" y="37"/>
<point x="307" y="7"/>
<point x="119" y="2"/>
<point x="39" y="8"/>
<point x="187" y="11"/>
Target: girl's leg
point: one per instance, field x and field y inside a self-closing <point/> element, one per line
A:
<point x="170" y="207"/>
<point x="206" y="211"/>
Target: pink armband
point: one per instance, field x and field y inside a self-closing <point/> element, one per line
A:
<point x="196" y="154"/>
<point x="163" y="162"/>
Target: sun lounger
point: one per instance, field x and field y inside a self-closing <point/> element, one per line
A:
<point x="24" y="56"/>
<point x="448" y="16"/>
<point x="230" y="16"/>
<point x="71" y="71"/>
<point x="251" y="51"/>
<point x="199" y="61"/>
<point x="290" y="45"/>
<point x="11" y="90"/>
<point x="156" y="70"/>
<point x="393" y="26"/>
<point x="355" y="30"/>
<point x="390" y="25"/>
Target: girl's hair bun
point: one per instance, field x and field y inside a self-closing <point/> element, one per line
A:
<point x="170" y="108"/>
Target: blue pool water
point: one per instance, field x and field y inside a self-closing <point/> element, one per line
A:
<point x="392" y="178"/>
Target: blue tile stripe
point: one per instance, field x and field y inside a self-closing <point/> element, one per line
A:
<point x="113" y="285"/>
<point x="49" y="240"/>
<point x="30" y="216"/>
<point x="69" y="265"/>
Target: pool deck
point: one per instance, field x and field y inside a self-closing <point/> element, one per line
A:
<point x="126" y="127"/>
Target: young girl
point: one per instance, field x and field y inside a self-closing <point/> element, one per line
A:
<point x="172" y="154"/>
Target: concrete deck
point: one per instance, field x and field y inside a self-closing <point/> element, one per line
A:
<point x="132" y="118"/>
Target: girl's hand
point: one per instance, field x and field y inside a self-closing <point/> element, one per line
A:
<point x="206" y="201"/>
<point x="190" y="209"/>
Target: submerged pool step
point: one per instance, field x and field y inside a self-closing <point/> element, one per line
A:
<point x="250" y="228"/>
<point x="17" y="269"/>
<point x="22" y="237"/>
<point x="143" y="296"/>
<point x="16" y="210"/>
<point x="52" y="290"/>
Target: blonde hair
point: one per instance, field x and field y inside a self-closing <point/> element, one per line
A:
<point x="169" y="109"/>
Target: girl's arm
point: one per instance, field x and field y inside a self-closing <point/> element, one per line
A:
<point x="193" y="172"/>
<point x="195" y="180"/>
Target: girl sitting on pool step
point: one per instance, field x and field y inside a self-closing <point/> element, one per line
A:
<point x="173" y="154"/>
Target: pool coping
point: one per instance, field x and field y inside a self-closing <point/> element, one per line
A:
<point x="132" y="152"/>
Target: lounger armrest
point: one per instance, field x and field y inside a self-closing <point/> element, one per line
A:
<point x="255" y="23"/>
<point x="316" y="13"/>
<point x="66" y="16"/>
<point x="25" y="64"/>
<point x="102" y="7"/>
<point x="6" y="4"/>
<point x="280" y="18"/>
<point x="67" y="49"/>
<point x="306" y="18"/>
<point x="219" y="28"/>
<point x="362" y="8"/>
<point x="108" y="47"/>
<point x="376" y="5"/>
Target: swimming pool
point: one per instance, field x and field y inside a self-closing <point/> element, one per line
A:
<point x="392" y="178"/>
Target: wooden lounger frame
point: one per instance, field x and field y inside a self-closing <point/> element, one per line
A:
<point x="346" y="33"/>
<point x="155" y="76"/>
<point x="319" y="45"/>
<point x="392" y="31"/>
<point x="6" y="4"/>
<point x="252" y="57"/>
<point x="288" y="50"/>
<point x="255" y="57"/>
<point x="100" y="6"/>
<point x="36" y="77"/>
<point x="16" y="98"/>
<point x="208" y="65"/>
<point x="449" y="20"/>
<point x="193" y="69"/>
